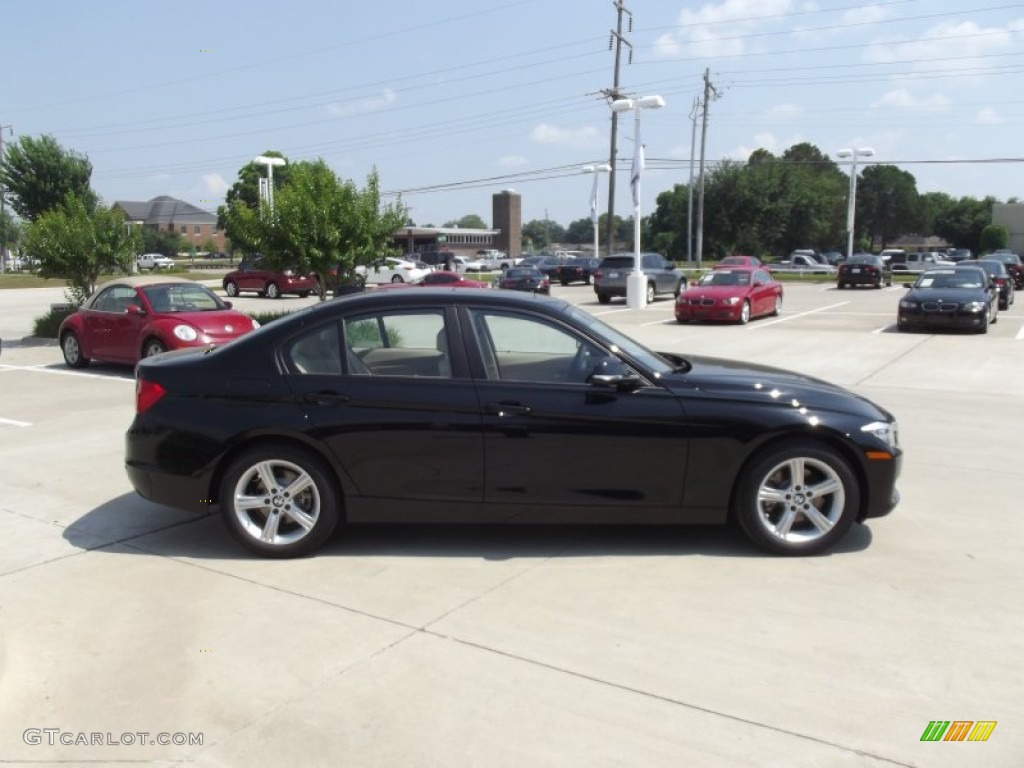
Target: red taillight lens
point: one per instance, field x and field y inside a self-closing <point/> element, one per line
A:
<point x="147" y="393"/>
<point x="598" y="274"/>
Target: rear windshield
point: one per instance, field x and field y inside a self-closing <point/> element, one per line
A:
<point x="618" y="262"/>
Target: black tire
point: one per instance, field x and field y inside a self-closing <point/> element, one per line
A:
<point x="564" y="282"/>
<point x="153" y="346"/>
<point x="777" y="309"/>
<point x="397" y="279"/>
<point x="744" y="313"/>
<point x="303" y="294"/>
<point x="298" y="524"/>
<point x="231" y="288"/>
<point x="586" y="280"/>
<point x="71" y="346"/>
<point x="840" y="286"/>
<point x="604" y="298"/>
<point x="799" y="521"/>
<point x="273" y="292"/>
<point x="650" y="293"/>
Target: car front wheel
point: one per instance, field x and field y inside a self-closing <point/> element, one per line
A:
<point x="397" y="279"/>
<point x="273" y="292"/>
<point x="279" y="501"/>
<point x="72" y="349"/>
<point x="231" y="288"/>
<point x="153" y="347"/>
<point x="744" y="313"/>
<point x="797" y="499"/>
<point x="777" y="310"/>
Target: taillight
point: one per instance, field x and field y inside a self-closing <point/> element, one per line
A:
<point x="599" y="274"/>
<point x="147" y="393"/>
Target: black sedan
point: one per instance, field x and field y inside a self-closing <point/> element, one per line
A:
<point x="475" y="406"/>
<point x="579" y="269"/>
<point x="1013" y="264"/>
<point x="962" y="297"/>
<point x="525" y="279"/>
<point x="1001" y="277"/>
<point x="863" y="269"/>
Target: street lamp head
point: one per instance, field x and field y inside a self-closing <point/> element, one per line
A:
<point x="844" y="153"/>
<point x="602" y="168"/>
<point x="865" y="151"/>
<point x="623" y="105"/>
<point x="855" y="153"/>
<point x="650" y="102"/>
<point x="266" y="160"/>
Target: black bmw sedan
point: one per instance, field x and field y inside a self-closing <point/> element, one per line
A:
<point x="961" y="297"/>
<point x="479" y="406"/>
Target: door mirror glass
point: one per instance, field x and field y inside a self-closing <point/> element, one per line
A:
<point x="612" y="373"/>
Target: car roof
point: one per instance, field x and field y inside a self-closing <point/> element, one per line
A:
<point x="137" y="280"/>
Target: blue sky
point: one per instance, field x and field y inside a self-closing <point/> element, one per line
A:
<point x="504" y="94"/>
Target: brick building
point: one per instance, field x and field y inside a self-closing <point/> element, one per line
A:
<point x="163" y="213"/>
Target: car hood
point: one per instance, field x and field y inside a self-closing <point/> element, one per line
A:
<point x="947" y="294"/>
<point x="750" y="382"/>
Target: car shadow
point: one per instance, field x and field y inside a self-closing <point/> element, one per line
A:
<point x="108" y="370"/>
<point x="144" y="528"/>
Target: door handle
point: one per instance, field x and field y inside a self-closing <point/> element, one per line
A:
<point x="325" y="398"/>
<point x="508" y="409"/>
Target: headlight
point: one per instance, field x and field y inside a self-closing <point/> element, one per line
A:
<point x="975" y="306"/>
<point x="185" y="332"/>
<point x="732" y="301"/>
<point x="885" y="431"/>
<point x="904" y="304"/>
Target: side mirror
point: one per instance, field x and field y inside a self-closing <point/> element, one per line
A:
<point x="228" y="305"/>
<point x="612" y="373"/>
<point x="908" y="286"/>
<point x="134" y="309"/>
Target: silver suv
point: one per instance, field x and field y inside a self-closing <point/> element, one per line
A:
<point x="662" y="276"/>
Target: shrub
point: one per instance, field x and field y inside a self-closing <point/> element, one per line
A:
<point x="266" y="317"/>
<point x="46" y="327"/>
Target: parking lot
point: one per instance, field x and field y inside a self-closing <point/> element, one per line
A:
<point x="463" y="645"/>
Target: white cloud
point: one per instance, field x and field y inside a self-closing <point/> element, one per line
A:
<point x="786" y="111"/>
<point x="719" y="29"/>
<point x="581" y="138"/>
<point x="512" y="161"/>
<point x="362" y="106"/>
<point x="989" y="116"/>
<point x="901" y="98"/>
<point x="213" y="185"/>
<point x="966" y="38"/>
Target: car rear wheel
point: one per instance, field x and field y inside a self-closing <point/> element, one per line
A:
<point x="797" y="499"/>
<point x="397" y="279"/>
<point x="604" y="298"/>
<point x="650" y="293"/>
<point x="303" y="294"/>
<point x="231" y="288"/>
<point x="152" y="347"/>
<point x="72" y="349"/>
<point x="279" y="501"/>
<point x="273" y="292"/>
<point x="745" y="313"/>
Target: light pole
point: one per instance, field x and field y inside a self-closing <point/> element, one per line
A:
<point x="636" y="282"/>
<point x="597" y="170"/>
<point x="270" y="162"/>
<point x="851" y="208"/>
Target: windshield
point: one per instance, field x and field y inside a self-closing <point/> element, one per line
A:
<point x="725" y="277"/>
<point x="522" y="273"/>
<point x="972" y="279"/>
<point x="182" y="297"/>
<point x="651" y="360"/>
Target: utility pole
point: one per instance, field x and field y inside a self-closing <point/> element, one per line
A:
<point x="3" y="198"/>
<point x="612" y="94"/>
<point x="709" y="89"/>
<point x="689" y="186"/>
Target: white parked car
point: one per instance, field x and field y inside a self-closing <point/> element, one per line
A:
<point x="154" y="261"/>
<point x="393" y="270"/>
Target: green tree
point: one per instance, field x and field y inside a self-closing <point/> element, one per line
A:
<point x="962" y="223"/>
<point x="165" y="241"/>
<point x="887" y="203"/>
<point x="246" y="190"/>
<point x="543" y="232"/>
<point x="470" y="221"/>
<point x="10" y="232"/>
<point x="933" y="206"/>
<point x="320" y="223"/>
<point x="39" y="174"/>
<point x="79" y="241"/>
<point x="994" y="237"/>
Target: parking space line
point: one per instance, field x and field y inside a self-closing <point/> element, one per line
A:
<point x="799" y="314"/>
<point x="59" y="372"/>
<point x="883" y="328"/>
<point x="1020" y="333"/>
<point x="15" y="423"/>
<point x="611" y="312"/>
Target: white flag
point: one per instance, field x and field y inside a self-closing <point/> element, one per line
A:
<point x="638" y="167"/>
<point x="593" y="200"/>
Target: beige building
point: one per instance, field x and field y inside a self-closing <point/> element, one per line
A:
<point x="1011" y="215"/>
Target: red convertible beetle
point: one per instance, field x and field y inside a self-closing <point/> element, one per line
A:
<point x="130" y="318"/>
